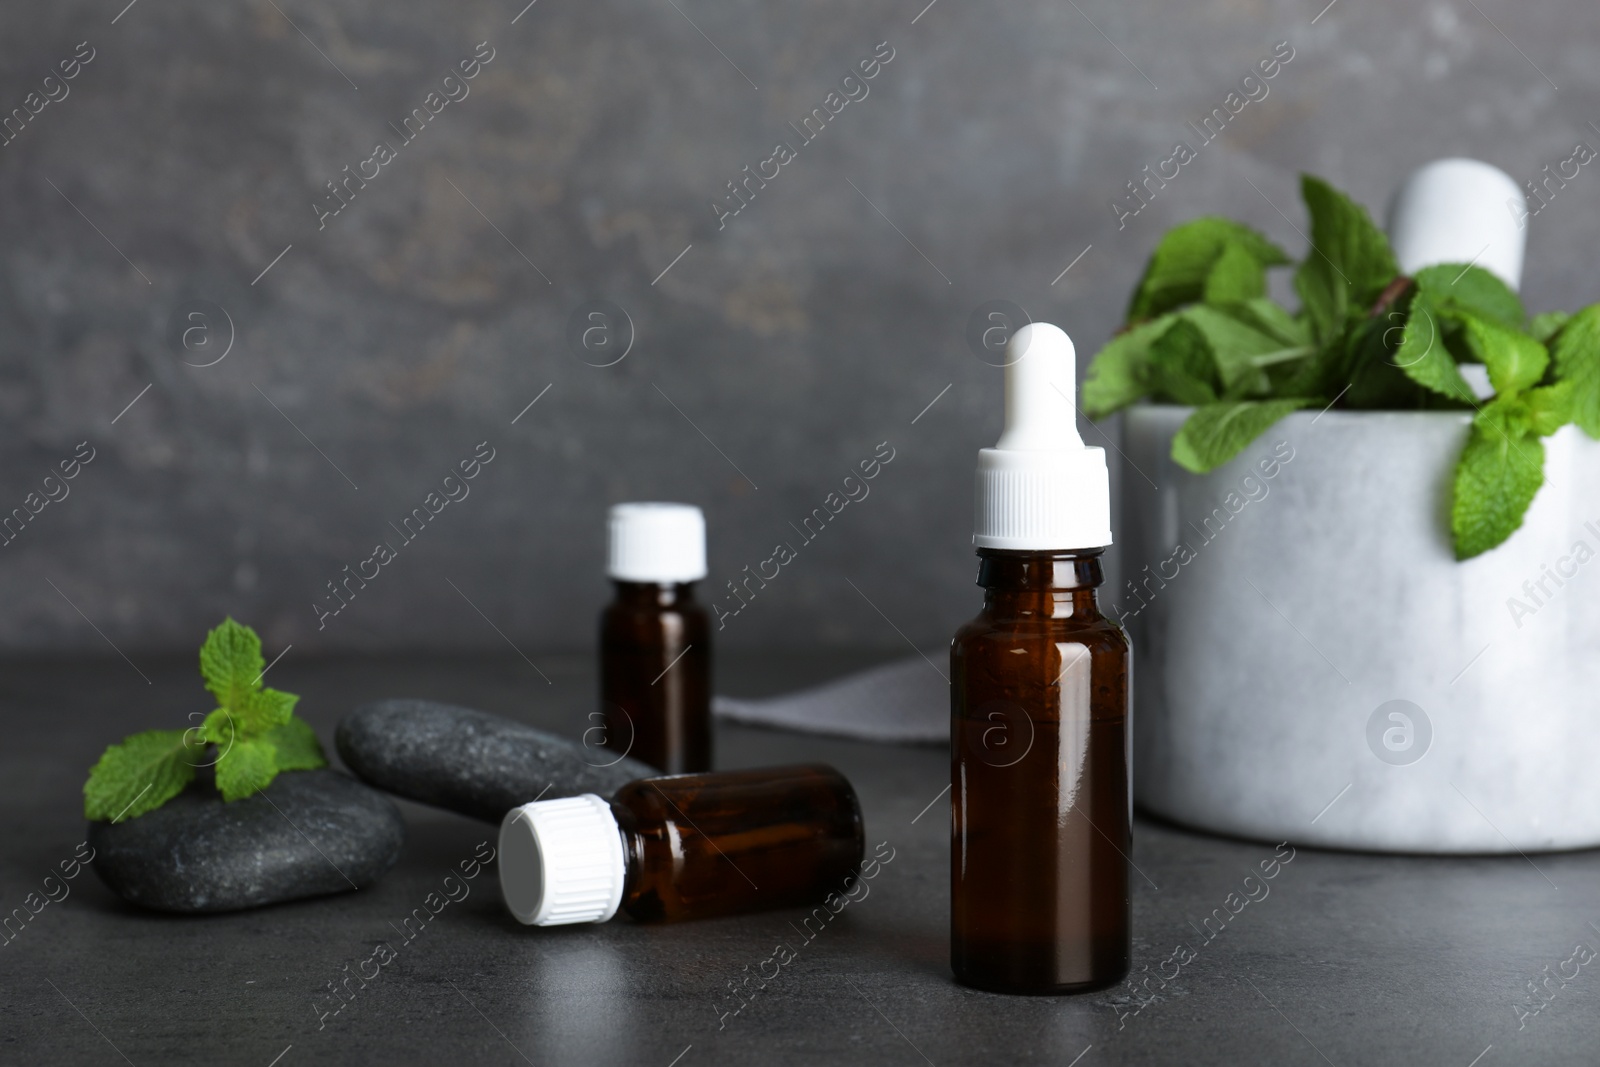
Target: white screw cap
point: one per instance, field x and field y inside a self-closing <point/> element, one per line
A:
<point x="1460" y="211"/>
<point x="653" y="542"/>
<point x="561" y="861"/>
<point x="1040" y="488"/>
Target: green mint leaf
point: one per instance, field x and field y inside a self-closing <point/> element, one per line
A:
<point x="1549" y="407"/>
<point x="1181" y="369"/>
<point x="1182" y="263"/>
<point x="248" y="767"/>
<point x="1542" y="411"/>
<point x="1349" y="263"/>
<point x="1268" y="317"/>
<point x="1421" y="353"/>
<point x="1577" y="357"/>
<point x="1546" y="324"/>
<point x="1117" y="375"/>
<point x="1515" y="360"/>
<point x="265" y="709"/>
<point x="140" y="774"/>
<point x="1496" y="478"/>
<point x="1235" y="347"/>
<point x="218" y="728"/>
<point x="296" y="746"/>
<point x="1455" y="287"/>
<point x="1344" y="237"/>
<point x="1216" y="433"/>
<point x="1507" y="417"/>
<point x="1236" y="275"/>
<point x="1324" y="303"/>
<point x="231" y="663"/>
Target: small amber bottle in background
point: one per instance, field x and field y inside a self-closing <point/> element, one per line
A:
<point x="688" y="846"/>
<point x="1041" y="819"/>
<point x="655" y="639"/>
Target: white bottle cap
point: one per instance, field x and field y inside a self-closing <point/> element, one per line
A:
<point x="561" y="861"/>
<point x="657" y="543"/>
<point x="1040" y="488"/>
<point x="1460" y="211"/>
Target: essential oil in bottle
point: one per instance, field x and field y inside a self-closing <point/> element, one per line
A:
<point x="689" y="846"/>
<point x="1041" y="801"/>
<point x="655" y="639"/>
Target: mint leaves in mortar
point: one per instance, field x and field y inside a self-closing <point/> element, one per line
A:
<point x="251" y="736"/>
<point x="1201" y="331"/>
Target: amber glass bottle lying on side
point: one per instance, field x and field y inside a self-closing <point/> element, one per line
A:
<point x="687" y="846"/>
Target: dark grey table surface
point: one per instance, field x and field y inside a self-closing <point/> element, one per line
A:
<point x="1346" y="959"/>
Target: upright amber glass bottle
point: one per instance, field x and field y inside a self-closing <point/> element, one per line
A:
<point x="655" y="675"/>
<point x="655" y="639"/>
<point x="1041" y="806"/>
<point x="1039" y="762"/>
<point x="689" y="846"/>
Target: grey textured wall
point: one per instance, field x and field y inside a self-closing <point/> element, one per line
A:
<point x="775" y="354"/>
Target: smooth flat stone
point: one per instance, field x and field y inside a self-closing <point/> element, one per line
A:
<point x="327" y="834"/>
<point x="472" y="762"/>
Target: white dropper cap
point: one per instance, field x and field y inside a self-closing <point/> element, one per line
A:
<point x="657" y="543"/>
<point x="1460" y="211"/>
<point x="561" y="861"/>
<point x="1040" y="488"/>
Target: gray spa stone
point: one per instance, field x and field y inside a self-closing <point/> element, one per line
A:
<point x="307" y="834"/>
<point x="472" y="762"/>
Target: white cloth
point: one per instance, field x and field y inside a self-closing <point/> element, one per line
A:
<point x="906" y="701"/>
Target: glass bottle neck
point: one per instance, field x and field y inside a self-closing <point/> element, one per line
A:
<point x="654" y="594"/>
<point x="1056" y="583"/>
<point x="632" y="848"/>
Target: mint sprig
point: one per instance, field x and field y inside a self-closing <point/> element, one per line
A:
<point x="252" y="735"/>
<point x="1201" y="332"/>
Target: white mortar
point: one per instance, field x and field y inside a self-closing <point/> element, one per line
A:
<point x="1251" y="722"/>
